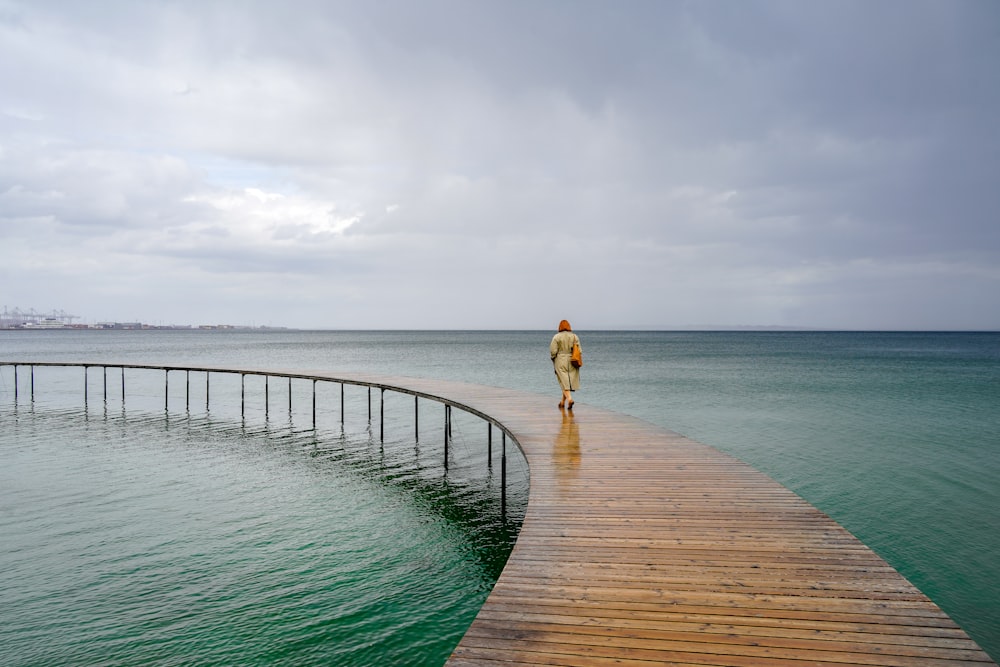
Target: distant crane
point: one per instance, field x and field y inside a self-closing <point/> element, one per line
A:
<point x="19" y="318"/>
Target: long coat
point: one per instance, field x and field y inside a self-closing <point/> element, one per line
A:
<point x="561" y="349"/>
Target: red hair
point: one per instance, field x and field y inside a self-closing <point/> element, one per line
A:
<point x="564" y="326"/>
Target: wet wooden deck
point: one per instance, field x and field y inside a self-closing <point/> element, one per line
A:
<point x="643" y="547"/>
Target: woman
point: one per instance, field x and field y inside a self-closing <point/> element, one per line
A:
<point x="561" y="350"/>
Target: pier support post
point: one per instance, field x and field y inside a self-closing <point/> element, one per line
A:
<point x="267" y="397"/>
<point x="85" y="383"/>
<point x="381" y="416"/>
<point x="416" y="418"/>
<point x="206" y="390"/>
<point x="314" y="404"/>
<point x="15" y="384"/>
<point x="123" y="385"/>
<point x="105" y="369"/>
<point x="32" y="383"/>
<point x="289" y="395"/>
<point x="166" y="388"/>
<point x="341" y="404"/>
<point x="489" y="445"/>
<point x="187" y="391"/>
<point x="243" y="395"/>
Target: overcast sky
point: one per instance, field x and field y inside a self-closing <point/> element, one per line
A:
<point x="470" y="164"/>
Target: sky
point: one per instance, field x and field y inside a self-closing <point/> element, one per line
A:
<point x="468" y="164"/>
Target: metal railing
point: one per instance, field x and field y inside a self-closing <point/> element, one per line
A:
<point x="448" y="403"/>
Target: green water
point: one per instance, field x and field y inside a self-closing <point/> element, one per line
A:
<point x="895" y="435"/>
<point x="152" y="541"/>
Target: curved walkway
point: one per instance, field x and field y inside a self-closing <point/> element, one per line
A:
<point x="642" y="547"/>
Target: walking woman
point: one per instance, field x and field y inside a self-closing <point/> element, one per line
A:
<point x="561" y="351"/>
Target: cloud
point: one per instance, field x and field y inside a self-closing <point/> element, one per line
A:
<point x="666" y="163"/>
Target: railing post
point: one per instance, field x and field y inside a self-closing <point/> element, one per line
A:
<point x="447" y="433"/>
<point x="503" y="475"/>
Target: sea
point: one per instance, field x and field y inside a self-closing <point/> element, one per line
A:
<point x="151" y="518"/>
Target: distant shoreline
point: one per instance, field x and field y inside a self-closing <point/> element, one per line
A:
<point x="271" y="329"/>
<point x="142" y="327"/>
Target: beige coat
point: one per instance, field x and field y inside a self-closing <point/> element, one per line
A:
<point x="561" y="349"/>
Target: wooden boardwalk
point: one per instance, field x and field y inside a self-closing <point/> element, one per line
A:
<point x="643" y="547"/>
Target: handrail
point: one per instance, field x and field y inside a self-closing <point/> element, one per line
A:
<point x="371" y="383"/>
<point x="296" y="375"/>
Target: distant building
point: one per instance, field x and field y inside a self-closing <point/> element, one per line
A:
<point x="45" y="323"/>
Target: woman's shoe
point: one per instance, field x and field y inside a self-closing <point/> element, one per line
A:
<point x="570" y="406"/>
<point x="560" y="405"/>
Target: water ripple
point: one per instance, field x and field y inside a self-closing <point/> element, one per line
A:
<point x="137" y="538"/>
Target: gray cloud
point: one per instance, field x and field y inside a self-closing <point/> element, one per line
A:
<point x="825" y="164"/>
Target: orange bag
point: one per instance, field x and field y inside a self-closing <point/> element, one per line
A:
<point x="577" y="358"/>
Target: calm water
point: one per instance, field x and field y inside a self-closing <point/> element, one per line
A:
<point x="285" y="543"/>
